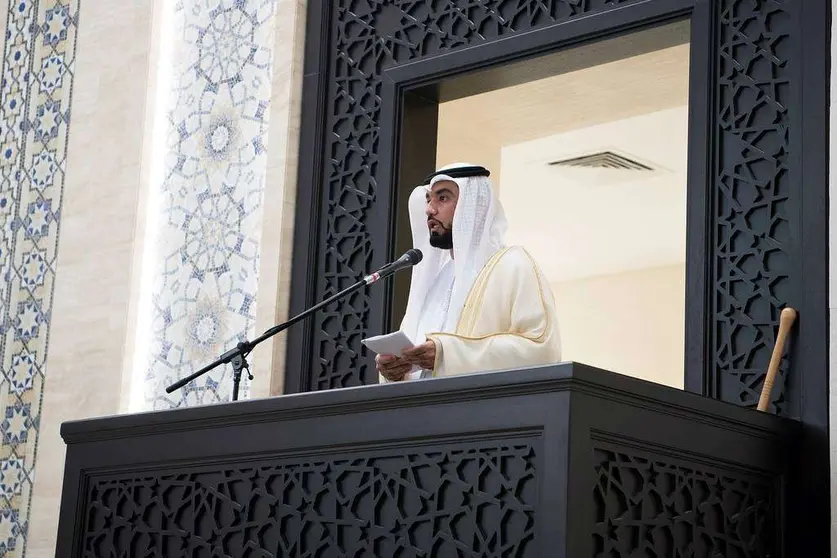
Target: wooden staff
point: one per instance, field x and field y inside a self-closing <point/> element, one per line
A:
<point x="786" y="319"/>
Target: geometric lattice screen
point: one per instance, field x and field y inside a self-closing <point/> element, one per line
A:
<point x="750" y="219"/>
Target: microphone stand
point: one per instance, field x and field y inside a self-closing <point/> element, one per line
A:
<point x="238" y="356"/>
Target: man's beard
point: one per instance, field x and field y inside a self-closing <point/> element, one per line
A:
<point x="442" y="240"/>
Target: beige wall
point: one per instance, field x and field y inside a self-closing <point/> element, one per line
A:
<point x="631" y="323"/>
<point x="276" y="249"/>
<point x="458" y="144"/>
<point x="93" y="278"/>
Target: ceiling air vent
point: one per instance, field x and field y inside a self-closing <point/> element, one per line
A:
<point x="602" y="160"/>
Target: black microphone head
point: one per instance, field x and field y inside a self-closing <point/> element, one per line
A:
<point x="414" y="255"/>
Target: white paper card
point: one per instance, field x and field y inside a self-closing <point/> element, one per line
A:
<point x="389" y="344"/>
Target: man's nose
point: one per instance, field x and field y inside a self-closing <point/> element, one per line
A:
<point x="430" y="209"/>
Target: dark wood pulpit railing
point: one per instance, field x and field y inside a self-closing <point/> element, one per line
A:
<point x="564" y="461"/>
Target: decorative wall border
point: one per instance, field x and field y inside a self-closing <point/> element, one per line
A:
<point x="35" y="100"/>
<point x="202" y="296"/>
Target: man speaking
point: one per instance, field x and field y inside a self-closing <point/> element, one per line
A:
<point x="475" y="304"/>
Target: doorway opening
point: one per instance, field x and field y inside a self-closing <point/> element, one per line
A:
<point x="588" y="153"/>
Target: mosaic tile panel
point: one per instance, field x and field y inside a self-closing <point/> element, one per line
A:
<point x="38" y="69"/>
<point x="206" y="244"/>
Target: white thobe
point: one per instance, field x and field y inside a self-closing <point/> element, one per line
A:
<point x="509" y="320"/>
<point x="434" y="311"/>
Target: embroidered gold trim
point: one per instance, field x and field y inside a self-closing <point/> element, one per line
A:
<point x="475" y="296"/>
<point x="436" y="356"/>
<point x="487" y="270"/>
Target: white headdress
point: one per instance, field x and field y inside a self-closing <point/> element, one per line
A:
<point x="479" y="227"/>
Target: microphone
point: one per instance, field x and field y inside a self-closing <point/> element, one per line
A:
<point x="409" y="259"/>
<point x="237" y="356"/>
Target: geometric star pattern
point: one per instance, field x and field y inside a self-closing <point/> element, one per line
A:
<point x="752" y="199"/>
<point x="468" y="501"/>
<point x="205" y="258"/>
<point x="38" y="71"/>
<point x="651" y="506"/>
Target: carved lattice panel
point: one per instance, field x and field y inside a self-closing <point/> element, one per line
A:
<point x="477" y="501"/>
<point x="750" y="221"/>
<point x="370" y="36"/>
<point x="652" y="507"/>
<point x="753" y="222"/>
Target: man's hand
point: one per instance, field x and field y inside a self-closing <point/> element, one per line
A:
<point x="391" y="367"/>
<point x="423" y="355"/>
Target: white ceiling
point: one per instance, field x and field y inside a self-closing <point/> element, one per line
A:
<point x="581" y="222"/>
<point x="584" y="222"/>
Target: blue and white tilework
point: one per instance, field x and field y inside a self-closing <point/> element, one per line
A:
<point x="37" y="69"/>
<point x="206" y="244"/>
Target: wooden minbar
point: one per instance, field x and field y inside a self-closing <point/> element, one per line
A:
<point x="563" y="460"/>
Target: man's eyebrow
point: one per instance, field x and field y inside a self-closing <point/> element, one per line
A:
<point x="441" y="191"/>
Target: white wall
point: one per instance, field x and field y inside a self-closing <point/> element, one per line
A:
<point x="631" y="323"/>
<point x="832" y="291"/>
